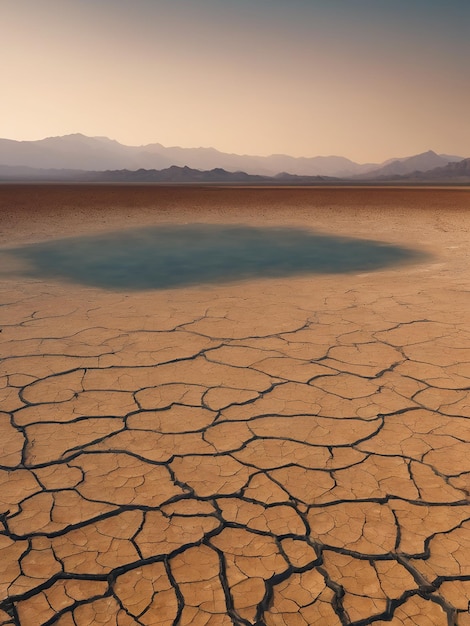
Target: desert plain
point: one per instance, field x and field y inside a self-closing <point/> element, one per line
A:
<point x="191" y="438"/>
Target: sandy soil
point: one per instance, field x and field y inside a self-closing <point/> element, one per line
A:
<point x="282" y="451"/>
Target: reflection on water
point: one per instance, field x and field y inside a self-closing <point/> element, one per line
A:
<point x="190" y="254"/>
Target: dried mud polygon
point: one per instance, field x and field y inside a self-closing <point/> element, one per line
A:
<point x="270" y="451"/>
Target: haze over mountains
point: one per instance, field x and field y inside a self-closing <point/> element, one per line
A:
<point x="100" y="153"/>
<point x="42" y="158"/>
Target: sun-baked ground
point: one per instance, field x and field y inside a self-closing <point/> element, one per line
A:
<point x="272" y="451"/>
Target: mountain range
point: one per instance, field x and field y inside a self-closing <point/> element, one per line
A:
<point x="78" y="157"/>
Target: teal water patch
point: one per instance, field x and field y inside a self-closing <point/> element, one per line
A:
<point x="191" y="254"/>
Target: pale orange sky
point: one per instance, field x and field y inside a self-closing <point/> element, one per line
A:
<point x="367" y="79"/>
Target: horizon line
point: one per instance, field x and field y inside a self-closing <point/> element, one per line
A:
<point x="244" y="154"/>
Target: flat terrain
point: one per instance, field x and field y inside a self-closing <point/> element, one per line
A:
<point x="244" y="448"/>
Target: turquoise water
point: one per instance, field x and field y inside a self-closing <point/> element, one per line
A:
<point x="191" y="254"/>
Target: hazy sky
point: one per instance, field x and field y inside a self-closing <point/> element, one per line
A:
<point x="367" y="79"/>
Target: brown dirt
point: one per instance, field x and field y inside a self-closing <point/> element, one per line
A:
<point x="283" y="451"/>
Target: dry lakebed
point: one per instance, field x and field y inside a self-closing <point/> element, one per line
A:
<point x="234" y="406"/>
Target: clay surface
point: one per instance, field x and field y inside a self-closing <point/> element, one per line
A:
<point x="286" y="449"/>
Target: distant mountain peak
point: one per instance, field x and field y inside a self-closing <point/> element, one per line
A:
<point x="402" y="167"/>
<point x="69" y="136"/>
<point x="77" y="151"/>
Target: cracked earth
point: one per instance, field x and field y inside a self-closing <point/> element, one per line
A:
<point x="284" y="451"/>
